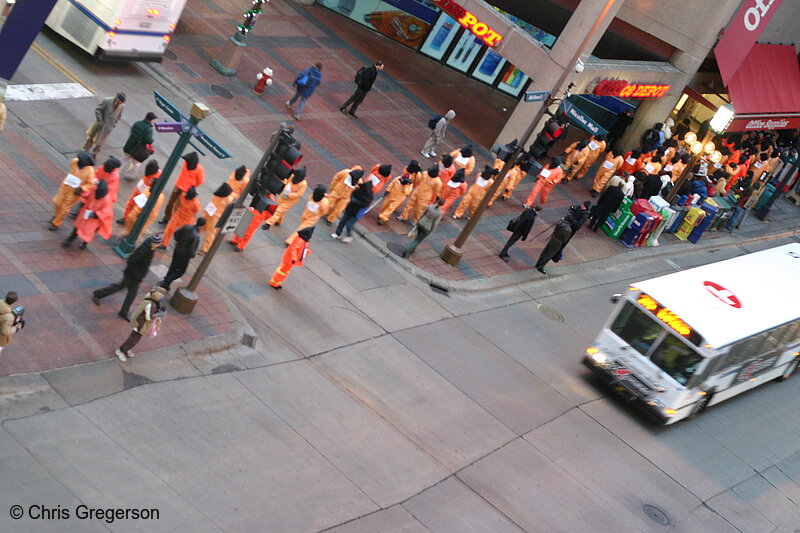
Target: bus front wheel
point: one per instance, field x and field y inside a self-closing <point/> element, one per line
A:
<point x="701" y="405"/>
<point x="789" y="369"/>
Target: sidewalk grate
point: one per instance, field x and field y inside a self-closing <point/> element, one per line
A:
<point x="249" y="340"/>
<point x="221" y="91"/>
<point x="655" y="514"/>
<point x="550" y="313"/>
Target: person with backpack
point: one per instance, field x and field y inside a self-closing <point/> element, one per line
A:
<point x="145" y="322"/>
<point x="305" y="84"/>
<point x="438" y="123"/>
<point x="653" y="138"/>
<point x="364" y="78"/>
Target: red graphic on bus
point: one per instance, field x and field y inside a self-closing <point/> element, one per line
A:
<point x="722" y="294"/>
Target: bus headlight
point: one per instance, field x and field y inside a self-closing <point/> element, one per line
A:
<point x="596" y="355"/>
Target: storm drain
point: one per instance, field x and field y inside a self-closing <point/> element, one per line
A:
<point x="550" y="313"/>
<point x="221" y="91"/>
<point x="249" y="340"/>
<point x="655" y="514"/>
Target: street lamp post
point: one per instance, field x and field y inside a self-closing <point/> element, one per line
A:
<point x="452" y="253"/>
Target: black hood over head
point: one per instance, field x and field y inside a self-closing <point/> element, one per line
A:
<point x="240" y="172"/>
<point x="459" y="176"/>
<point x="385" y="170"/>
<point x="433" y="171"/>
<point x="102" y="189"/>
<point x="555" y="162"/>
<point x="151" y="168"/>
<point x="355" y="175"/>
<point x="223" y="190"/>
<point x="111" y="163"/>
<point x="191" y="160"/>
<point x="467" y="151"/>
<point x="447" y="160"/>
<point x="191" y="193"/>
<point x="413" y="167"/>
<point x="488" y="172"/>
<point x="298" y="175"/>
<point x="306" y="233"/>
<point x="85" y="159"/>
<point x="405" y="179"/>
<point x="319" y="193"/>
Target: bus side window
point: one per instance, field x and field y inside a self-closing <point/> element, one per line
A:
<point x="788" y="334"/>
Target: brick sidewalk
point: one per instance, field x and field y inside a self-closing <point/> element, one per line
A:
<point x="64" y="327"/>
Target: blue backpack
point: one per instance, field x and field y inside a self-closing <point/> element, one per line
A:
<point x="434" y="120"/>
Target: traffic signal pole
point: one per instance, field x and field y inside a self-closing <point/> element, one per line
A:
<point x="452" y="253"/>
<point x="185" y="298"/>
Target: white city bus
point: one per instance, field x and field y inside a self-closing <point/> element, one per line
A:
<point x="136" y="30"/>
<point x="682" y="342"/>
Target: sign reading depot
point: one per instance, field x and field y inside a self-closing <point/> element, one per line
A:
<point x="623" y="89"/>
<point x="470" y="22"/>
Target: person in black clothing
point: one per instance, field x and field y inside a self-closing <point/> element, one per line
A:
<point x="364" y="79"/>
<point x="187" y="239"/>
<point x="577" y="217"/>
<point x="519" y="228"/>
<point x="609" y="202"/>
<point x="135" y="271"/>
<point x="558" y="239"/>
<point x="652" y="186"/>
<point x="360" y="199"/>
<point x="624" y="119"/>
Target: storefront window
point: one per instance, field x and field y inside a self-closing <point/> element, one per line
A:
<point x="512" y="81"/>
<point x="489" y="67"/>
<point x="467" y="47"/>
<point x="440" y="37"/>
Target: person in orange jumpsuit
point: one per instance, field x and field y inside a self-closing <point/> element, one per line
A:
<point x="136" y="208"/>
<point x="294" y="256"/>
<point x="476" y="193"/>
<point x="760" y="166"/>
<point x="238" y="181"/>
<point x="342" y="187"/>
<point x="192" y="175"/>
<point x="453" y="190"/>
<point x="212" y="211"/>
<point x="610" y="166"/>
<point x="109" y="172"/>
<point x="151" y="172"/>
<point x="379" y="175"/>
<point x="548" y="178"/>
<point x="652" y="162"/>
<point x="464" y="158"/>
<point x="576" y="158"/>
<point x="510" y="182"/>
<point x="185" y="213"/>
<point x="240" y="243"/>
<point x="80" y="179"/>
<point x="95" y="216"/>
<point x="426" y="192"/>
<point x="597" y="145"/>
<point x="316" y="208"/>
<point x="678" y="166"/>
<point x="398" y="190"/>
<point x="414" y="171"/>
<point x="294" y="189"/>
<point x="446" y="169"/>
<point x="632" y="162"/>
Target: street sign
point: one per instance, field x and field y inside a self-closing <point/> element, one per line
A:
<point x="212" y="146"/>
<point x="166" y="106"/>
<point x="536" y="96"/>
<point x="237" y="213"/>
<point x="169" y="127"/>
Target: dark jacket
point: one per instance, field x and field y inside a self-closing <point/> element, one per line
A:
<point x="368" y="76"/>
<point x="187" y="239"/>
<point x="139" y="262"/>
<point x="699" y="187"/>
<point x="652" y="186"/>
<point x="313" y="78"/>
<point x="361" y="198"/>
<point x="524" y="223"/>
<point x="608" y="202"/>
<point x="141" y="133"/>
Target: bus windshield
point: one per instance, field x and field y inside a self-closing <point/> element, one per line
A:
<point x="675" y="358"/>
<point x="636" y="328"/>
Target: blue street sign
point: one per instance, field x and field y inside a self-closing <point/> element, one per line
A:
<point x="169" y="127"/>
<point x="181" y="125"/>
<point x="536" y="96"/>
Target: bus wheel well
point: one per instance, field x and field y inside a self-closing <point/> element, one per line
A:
<point x="701" y="404"/>
<point x="789" y="369"/>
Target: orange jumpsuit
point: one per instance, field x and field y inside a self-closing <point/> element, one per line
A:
<point x="238" y="186"/>
<point x="311" y="215"/>
<point x="474" y="196"/>
<point x="575" y="161"/>
<point x="255" y="223"/>
<point x="290" y="196"/>
<point x="294" y="256"/>
<point x="65" y="198"/>
<point x="459" y="161"/>
<point x="186" y="180"/>
<point x="654" y="164"/>
<point x="452" y="192"/>
<point x="219" y="204"/>
<point x="103" y="208"/>
<point x="183" y="214"/>
<point x="510" y="182"/>
<point x="112" y="179"/>
<point x="340" y="193"/>
<point x="544" y="184"/>
<point x="594" y="153"/>
<point x="141" y="186"/>
<point x="425" y="193"/>
<point x="677" y="170"/>
<point x="445" y="173"/>
<point x="133" y="213"/>
<point x="608" y="168"/>
<point x="378" y="181"/>
<point x="397" y="193"/>
<point x="631" y="165"/>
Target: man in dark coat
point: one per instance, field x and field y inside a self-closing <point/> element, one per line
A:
<point x="519" y="229"/>
<point x="609" y="202"/>
<point x="187" y="239"/>
<point x="652" y="186"/>
<point x="624" y="119"/>
<point x="135" y="271"/>
<point x="140" y="135"/>
<point x="577" y="217"/>
<point x="560" y="236"/>
<point x="364" y="79"/>
<point x="360" y="199"/>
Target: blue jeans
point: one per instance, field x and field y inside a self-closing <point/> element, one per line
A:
<point x="737" y="217"/>
<point x="346" y="222"/>
<point x="302" y="104"/>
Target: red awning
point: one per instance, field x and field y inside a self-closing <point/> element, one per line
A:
<point x="765" y="91"/>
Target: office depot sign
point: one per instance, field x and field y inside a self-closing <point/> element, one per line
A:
<point x="623" y="89"/>
<point x="470" y="21"/>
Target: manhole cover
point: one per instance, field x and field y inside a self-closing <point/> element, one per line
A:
<point x="169" y="54"/>
<point x="550" y="313"/>
<point x="655" y="514"/>
<point x="221" y="91"/>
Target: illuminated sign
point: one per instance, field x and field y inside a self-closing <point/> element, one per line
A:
<point x="669" y="318"/>
<point x="470" y="22"/>
<point x="623" y="89"/>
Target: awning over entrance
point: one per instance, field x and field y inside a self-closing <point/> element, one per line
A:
<point x="765" y="91"/>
